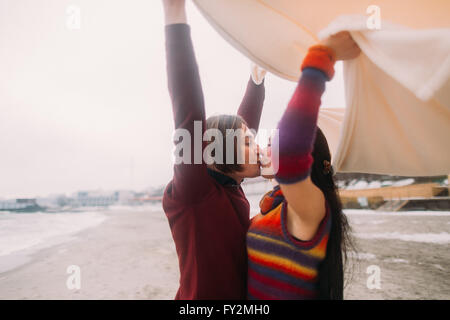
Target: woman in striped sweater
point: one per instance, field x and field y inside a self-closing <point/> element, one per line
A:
<point x="297" y="245"/>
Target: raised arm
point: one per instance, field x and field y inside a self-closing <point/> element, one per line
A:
<point x="253" y="101"/>
<point x="190" y="180"/>
<point x="297" y="130"/>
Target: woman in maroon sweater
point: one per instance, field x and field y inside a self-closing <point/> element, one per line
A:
<point x="207" y="210"/>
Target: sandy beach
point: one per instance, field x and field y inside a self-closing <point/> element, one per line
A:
<point x="130" y="255"/>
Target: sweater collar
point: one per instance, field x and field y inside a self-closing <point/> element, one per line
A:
<point x="271" y="200"/>
<point x="223" y="179"/>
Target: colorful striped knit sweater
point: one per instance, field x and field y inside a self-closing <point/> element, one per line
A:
<point x="280" y="266"/>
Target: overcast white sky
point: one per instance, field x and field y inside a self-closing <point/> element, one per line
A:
<point x="81" y="108"/>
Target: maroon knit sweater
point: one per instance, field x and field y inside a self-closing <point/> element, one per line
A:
<point x="208" y="212"/>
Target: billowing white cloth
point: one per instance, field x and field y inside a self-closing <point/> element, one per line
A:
<point x="397" y="115"/>
<point x="397" y="119"/>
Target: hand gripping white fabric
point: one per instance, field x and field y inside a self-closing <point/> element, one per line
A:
<point x="258" y="74"/>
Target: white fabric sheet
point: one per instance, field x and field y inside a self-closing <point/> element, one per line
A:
<point x="397" y="115"/>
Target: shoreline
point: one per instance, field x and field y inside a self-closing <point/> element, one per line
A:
<point x="131" y="255"/>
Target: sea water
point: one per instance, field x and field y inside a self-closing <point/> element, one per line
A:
<point x="22" y="234"/>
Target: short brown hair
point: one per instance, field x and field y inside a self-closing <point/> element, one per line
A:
<point x="222" y="123"/>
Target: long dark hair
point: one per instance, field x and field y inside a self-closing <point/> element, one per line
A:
<point x="340" y="242"/>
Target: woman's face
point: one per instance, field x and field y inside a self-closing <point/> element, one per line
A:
<point x="249" y="148"/>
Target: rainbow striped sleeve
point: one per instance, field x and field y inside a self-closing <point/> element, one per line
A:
<point x="298" y="125"/>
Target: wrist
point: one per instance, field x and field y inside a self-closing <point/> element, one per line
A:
<point x="326" y="49"/>
<point x="174" y="14"/>
<point x="320" y="57"/>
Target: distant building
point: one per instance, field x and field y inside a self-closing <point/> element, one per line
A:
<point x="92" y="199"/>
<point x="20" y="205"/>
<point x="124" y="196"/>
